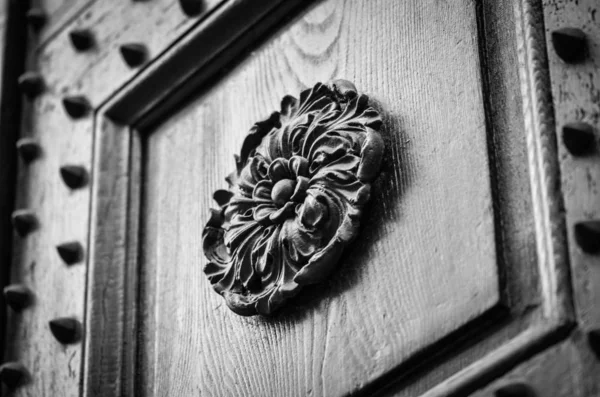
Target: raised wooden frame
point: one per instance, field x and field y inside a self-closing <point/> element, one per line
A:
<point x="111" y="313"/>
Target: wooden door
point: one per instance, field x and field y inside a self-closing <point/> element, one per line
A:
<point x="455" y="269"/>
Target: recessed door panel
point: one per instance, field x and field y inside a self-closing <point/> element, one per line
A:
<point x="424" y="263"/>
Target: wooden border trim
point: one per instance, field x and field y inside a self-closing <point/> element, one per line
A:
<point x="542" y="151"/>
<point x="13" y="44"/>
<point x="199" y="48"/>
<point x="500" y="361"/>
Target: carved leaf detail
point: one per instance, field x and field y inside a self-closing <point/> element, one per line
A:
<point x="294" y="202"/>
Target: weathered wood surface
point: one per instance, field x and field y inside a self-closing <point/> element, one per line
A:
<point x="425" y="263"/>
<point x="99" y="72"/>
<point x="576" y="95"/>
<point x="58" y="13"/>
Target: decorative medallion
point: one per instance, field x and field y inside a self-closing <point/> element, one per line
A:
<point x="294" y="203"/>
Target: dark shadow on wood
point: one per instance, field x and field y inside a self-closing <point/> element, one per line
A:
<point x="14" y="48"/>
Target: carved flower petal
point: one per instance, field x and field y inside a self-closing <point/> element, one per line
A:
<point x="300" y="191"/>
<point x="214" y="248"/>
<point x="283" y="213"/>
<point x="225" y="282"/>
<point x="312" y="213"/>
<point x="299" y="166"/>
<point x="372" y="153"/>
<point x="332" y="147"/>
<point x="348" y="163"/>
<point x="279" y="170"/>
<point x="239" y="206"/>
<point x="262" y="190"/>
<point x="299" y="243"/>
<point x="258" y="168"/>
<point x="321" y="264"/>
<point x="289" y="106"/>
<point x="262" y="213"/>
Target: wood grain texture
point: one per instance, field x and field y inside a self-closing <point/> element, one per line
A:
<point x="435" y="199"/>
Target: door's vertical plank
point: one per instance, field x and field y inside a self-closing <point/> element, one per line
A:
<point x="12" y="57"/>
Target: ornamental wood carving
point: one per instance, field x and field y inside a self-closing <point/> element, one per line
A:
<point x="295" y="200"/>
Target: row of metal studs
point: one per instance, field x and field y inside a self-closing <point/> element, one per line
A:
<point x="18" y="297"/>
<point x="570" y="44"/>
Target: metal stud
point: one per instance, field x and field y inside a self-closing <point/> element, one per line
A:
<point x="28" y="149"/>
<point x="76" y="106"/>
<point x="587" y="235"/>
<point x="579" y="138"/>
<point x="191" y="8"/>
<point x="81" y="39"/>
<point x="31" y="84"/>
<point x="71" y="252"/>
<point x="517" y="389"/>
<point x="36" y="17"/>
<point x="74" y="176"/>
<point x="24" y="221"/>
<point x="134" y="54"/>
<point x="569" y="44"/>
<point x="18" y="296"/>
<point x="65" y="329"/>
<point x="13" y="374"/>
<point x="593" y="337"/>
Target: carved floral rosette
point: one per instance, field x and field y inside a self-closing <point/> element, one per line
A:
<point x="303" y="177"/>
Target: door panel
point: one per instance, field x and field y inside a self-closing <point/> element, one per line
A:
<point x="425" y="262"/>
<point x="457" y="271"/>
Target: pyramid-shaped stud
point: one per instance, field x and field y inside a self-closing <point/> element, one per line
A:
<point x="74" y="176"/>
<point x="81" y="39"/>
<point x="24" y="221"/>
<point x="76" y="106"/>
<point x="18" y="296"/>
<point x="70" y="252"/>
<point x="593" y="338"/>
<point x="191" y="8"/>
<point x="31" y="84"/>
<point x="28" y="149"/>
<point x="36" y="18"/>
<point x="587" y="235"/>
<point x="517" y="389"/>
<point x="133" y="54"/>
<point x="579" y="138"/>
<point x="13" y="374"/>
<point x="569" y="44"/>
<point x="65" y="329"/>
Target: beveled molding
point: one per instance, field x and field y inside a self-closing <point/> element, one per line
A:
<point x="111" y="312"/>
<point x="553" y="261"/>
